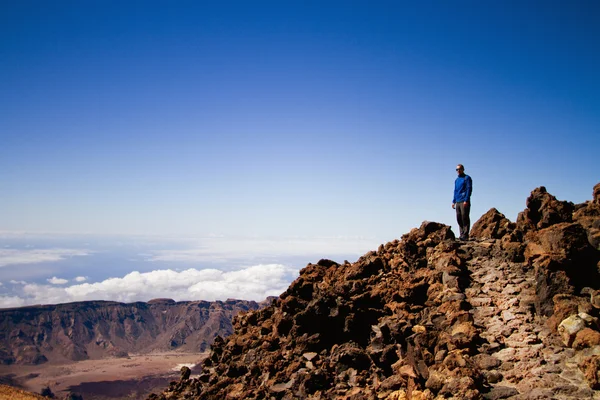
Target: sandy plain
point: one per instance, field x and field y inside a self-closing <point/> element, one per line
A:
<point x="132" y="378"/>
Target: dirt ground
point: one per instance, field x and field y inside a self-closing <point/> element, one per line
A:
<point x="117" y="378"/>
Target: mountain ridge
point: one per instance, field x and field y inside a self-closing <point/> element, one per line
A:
<point x="96" y="329"/>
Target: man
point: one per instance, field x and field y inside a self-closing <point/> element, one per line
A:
<point x="463" y="187"/>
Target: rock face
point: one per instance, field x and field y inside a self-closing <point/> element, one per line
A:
<point x="97" y="329"/>
<point x="588" y="215"/>
<point x="510" y="314"/>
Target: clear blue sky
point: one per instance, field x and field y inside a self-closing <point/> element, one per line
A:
<point x="290" y="118"/>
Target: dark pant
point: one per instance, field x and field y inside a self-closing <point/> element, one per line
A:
<point x="462" y="217"/>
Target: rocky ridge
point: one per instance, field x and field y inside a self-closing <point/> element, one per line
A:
<point x="98" y="329"/>
<point x="511" y="314"/>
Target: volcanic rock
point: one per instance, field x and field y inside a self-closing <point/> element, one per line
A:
<point x="427" y="317"/>
<point x="588" y="215"/>
<point x="544" y="210"/>
<point x="492" y="225"/>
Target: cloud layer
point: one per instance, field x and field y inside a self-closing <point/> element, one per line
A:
<point x="252" y="283"/>
<point x="33" y="256"/>
<point x="207" y="268"/>
<point x="11" y="301"/>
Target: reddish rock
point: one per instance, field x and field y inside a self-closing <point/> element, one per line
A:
<point x="566" y="305"/>
<point x="587" y="337"/>
<point x="588" y="215"/>
<point x="544" y="210"/>
<point x="564" y="262"/>
<point x="492" y="225"/>
<point x="564" y="241"/>
<point x="590" y="367"/>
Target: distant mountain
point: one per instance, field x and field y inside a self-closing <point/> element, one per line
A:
<point x="98" y="329"/>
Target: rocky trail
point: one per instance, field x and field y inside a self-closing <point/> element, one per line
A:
<point x="520" y="356"/>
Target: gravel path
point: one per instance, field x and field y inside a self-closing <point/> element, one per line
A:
<point x="521" y="358"/>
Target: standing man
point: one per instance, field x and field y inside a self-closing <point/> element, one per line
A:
<point x="463" y="187"/>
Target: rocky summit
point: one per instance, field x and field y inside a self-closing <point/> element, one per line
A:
<point x="510" y="314"/>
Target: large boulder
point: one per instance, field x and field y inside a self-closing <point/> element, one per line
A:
<point x="590" y="367"/>
<point x="588" y="215"/>
<point x="492" y="225"/>
<point x="562" y="242"/>
<point x="564" y="262"/>
<point x="544" y="210"/>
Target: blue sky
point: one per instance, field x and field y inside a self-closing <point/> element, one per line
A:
<point x="279" y="119"/>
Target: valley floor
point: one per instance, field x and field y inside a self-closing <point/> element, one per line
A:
<point x="117" y="378"/>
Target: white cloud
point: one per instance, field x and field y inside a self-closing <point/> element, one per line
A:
<point x="270" y="274"/>
<point x="1" y="284"/>
<point x="57" y="281"/>
<point x="15" y="257"/>
<point x="252" y="283"/>
<point x="11" y="301"/>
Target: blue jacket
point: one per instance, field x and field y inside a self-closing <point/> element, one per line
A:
<point x="463" y="187"/>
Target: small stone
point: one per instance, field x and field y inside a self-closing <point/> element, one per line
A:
<point x="501" y="392"/>
<point x="510" y="290"/>
<point x="590" y="367"/>
<point x="281" y="387"/>
<point x="419" y="329"/>
<point x="589" y="320"/>
<point x="566" y="389"/>
<point x="435" y="382"/>
<point x="507" y="315"/>
<point x="407" y="370"/>
<point x="595" y="298"/>
<point x="507" y="331"/>
<point x="507" y="366"/>
<point x="485" y="312"/>
<point x="510" y="303"/>
<point x="480" y="301"/>
<point x="486" y="361"/>
<point x="539" y="394"/>
<point x="440" y="355"/>
<point x="569" y="327"/>
<point x="586" y="338"/>
<point x="493" y="376"/>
